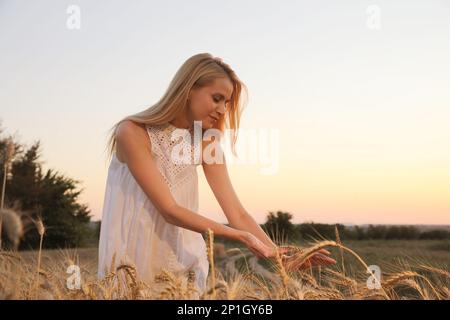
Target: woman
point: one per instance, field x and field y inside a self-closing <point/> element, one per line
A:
<point x="150" y="217"/>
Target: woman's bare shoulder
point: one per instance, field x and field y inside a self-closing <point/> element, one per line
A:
<point x="130" y="131"/>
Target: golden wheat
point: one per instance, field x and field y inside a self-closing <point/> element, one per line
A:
<point x="41" y="279"/>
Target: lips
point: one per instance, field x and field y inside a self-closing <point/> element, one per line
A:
<point x="215" y="119"/>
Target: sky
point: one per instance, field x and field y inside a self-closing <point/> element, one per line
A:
<point x="357" y="92"/>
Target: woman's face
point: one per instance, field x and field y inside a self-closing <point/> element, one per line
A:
<point x="209" y="103"/>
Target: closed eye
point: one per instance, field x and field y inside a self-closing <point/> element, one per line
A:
<point x="219" y="97"/>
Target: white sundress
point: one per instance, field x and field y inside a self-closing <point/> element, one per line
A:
<point x="134" y="230"/>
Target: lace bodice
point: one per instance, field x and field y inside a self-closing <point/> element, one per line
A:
<point x="174" y="151"/>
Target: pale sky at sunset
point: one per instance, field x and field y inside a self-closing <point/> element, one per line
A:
<point x="363" y="113"/>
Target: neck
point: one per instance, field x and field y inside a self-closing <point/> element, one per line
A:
<point x="181" y="122"/>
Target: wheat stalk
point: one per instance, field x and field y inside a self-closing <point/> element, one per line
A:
<point x="41" y="230"/>
<point x="302" y="255"/>
<point x="18" y="281"/>
<point x="391" y="282"/>
<point x="338" y="240"/>
<point x="8" y="156"/>
<point x="210" y="251"/>
<point x="436" y="270"/>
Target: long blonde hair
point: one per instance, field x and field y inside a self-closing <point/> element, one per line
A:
<point x="197" y="71"/>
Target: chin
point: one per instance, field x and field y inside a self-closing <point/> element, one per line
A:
<point x="208" y="123"/>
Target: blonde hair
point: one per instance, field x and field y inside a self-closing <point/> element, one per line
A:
<point x="197" y="71"/>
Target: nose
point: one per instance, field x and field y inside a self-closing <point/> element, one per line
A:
<point x="221" y="109"/>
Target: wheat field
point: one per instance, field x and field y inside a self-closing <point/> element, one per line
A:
<point x="234" y="274"/>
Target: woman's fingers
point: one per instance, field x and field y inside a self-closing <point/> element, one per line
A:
<point x="257" y="253"/>
<point x="257" y="247"/>
<point x="318" y="259"/>
<point x="317" y="262"/>
<point x="324" y="251"/>
<point x="265" y="251"/>
<point x="305" y="265"/>
<point x="321" y="259"/>
<point x="283" y="250"/>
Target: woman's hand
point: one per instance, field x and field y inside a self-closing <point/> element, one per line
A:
<point x="259" y="248"/>
<point x="292" y="263"/>
<point x="289" y="260"/>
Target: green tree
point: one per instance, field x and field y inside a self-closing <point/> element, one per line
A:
<point x="51" y="196"/>
<point x="435" y="234"/>
<point x="311" y="230"/>
<point x="376" y="232"/>
<point x="279" y="226"/>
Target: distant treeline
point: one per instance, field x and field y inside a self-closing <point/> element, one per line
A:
<point x="371" y="232"/>
<point x="280" y="227"/>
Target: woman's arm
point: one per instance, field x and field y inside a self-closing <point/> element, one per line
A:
<point x="131" y="139"/>
<point x="220" y="183"/>
<point x="218" y="179"/>
<point x="135" y="149"/>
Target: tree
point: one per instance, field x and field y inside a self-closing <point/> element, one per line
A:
<point x="435" y="234"/>
<point x="311" y="230"/>
<point x="376" y="232"/>
<point x="51" y="196"/>
<point x="279" y="226"/>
